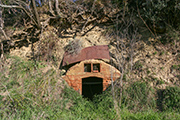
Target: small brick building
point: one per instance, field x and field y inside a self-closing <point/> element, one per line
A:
<point x="89" y="74"/>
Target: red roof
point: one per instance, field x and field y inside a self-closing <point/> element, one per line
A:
<point x="93" y="52"/>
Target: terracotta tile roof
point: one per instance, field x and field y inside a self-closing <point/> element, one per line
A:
<point x="93" y="52"/>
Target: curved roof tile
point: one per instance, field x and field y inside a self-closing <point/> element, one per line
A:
<point x="93" y="52"/>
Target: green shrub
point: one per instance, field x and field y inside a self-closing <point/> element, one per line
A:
<point x="101" y="107"/>
<point x="138" y="66"/>
<point x="155" y="53"/>
<point x="171" y="99"/>
<point x="160" y="82"/>
<point x="30" y="91"/>
<point x="138" y="96"/>
<point x="37" y="95"/>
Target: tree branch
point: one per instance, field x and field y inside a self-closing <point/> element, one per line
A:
<point x="50" y="8"/>
<point x="145" y="22"/>
<point x="36" y="14"/>
<point x="57" y="7"/>
<point x="20" y="7"/>
<point x="92" y="10"/>
<point x="1" y="28"/>
<point x="9" y="6"/>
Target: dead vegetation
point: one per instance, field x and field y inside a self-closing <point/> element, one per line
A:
<point x="69" y="20"/>
<point x="69" y="26"/>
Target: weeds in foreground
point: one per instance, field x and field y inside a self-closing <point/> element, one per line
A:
<point x="29" y="93"/>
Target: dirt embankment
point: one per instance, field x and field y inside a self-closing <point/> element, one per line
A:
<point x="153" y="61"/>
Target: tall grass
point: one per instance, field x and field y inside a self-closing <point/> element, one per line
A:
<point x="27" y="92"/>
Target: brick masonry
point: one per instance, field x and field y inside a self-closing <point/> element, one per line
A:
<point x="76" y="73"/>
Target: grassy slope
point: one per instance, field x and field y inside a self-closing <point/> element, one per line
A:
<point x="36" y="91"/>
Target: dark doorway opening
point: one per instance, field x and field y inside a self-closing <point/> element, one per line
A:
<point x="91" y="86"/>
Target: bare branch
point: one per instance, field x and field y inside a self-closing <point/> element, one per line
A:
<point x="1" y="28"/>
<point x="20" y="7"/>
<point x="9" y="6"/>
<point x="92" y="10"/>
<point x="6" y="37"/>
<point x="29" y="16"/>
<point x="57" y="7"/>
<point x="36" y="14"/>
<point x="145" y="22"/>
<point x="50" y="8"/>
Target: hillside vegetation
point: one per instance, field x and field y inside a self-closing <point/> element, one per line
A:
<point x="144" y="43"/>
<point x="36" y="91"/>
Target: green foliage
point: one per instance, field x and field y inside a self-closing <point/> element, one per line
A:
<point x="148" y="71"/>
<point x="155" y="53"/>
<point x="162" y="53"/>
<point x="138" y="66"/>
<point x="28" y="89"/>
<point x="158" y="10"/>
<point x="138" y="96"/>
<point x="28" y="93"/>
<point x="160" y="82"/>
<point x="100" y="108"/>
<point x="171" y="99"/>
<point x="172" y="35"/>
<point x="176" y="67"/>
<point x="162" y="68"/>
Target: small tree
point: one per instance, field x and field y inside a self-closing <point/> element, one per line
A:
<point x="125" y="35"/>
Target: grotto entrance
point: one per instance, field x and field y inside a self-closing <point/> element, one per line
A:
<point x="91" y="86"/>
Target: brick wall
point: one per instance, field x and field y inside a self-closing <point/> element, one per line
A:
<point x="76" y="73"/>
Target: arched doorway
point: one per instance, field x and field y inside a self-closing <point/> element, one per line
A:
<point x="91" y="86"/>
